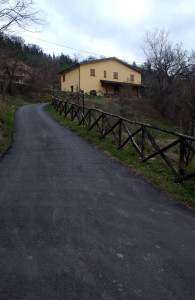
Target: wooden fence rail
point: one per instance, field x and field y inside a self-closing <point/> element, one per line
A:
<point x="137" y="133"/>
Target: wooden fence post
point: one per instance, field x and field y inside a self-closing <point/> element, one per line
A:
<point x="89" y="119"/>
<point x="103" y="124"/>
<point x="65" y="109"/>
<point x="143" y="142"/>
<point x="72" y="111"/>
<point x="119" y="133"/>
<point x="83" y="104"/>
<point x="181" y="158"/>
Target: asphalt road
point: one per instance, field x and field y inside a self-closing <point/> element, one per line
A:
<point x="75" y="224"/>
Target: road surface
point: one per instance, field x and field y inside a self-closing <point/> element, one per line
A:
<point x="76" y="224"/>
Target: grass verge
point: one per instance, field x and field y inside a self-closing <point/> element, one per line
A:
<point x="7" y="110"/>
<point x="154" y="171"/>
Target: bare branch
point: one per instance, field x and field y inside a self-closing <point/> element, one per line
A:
<point x="18" y="14"/>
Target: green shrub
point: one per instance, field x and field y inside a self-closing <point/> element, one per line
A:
<point x="93" y="93"/>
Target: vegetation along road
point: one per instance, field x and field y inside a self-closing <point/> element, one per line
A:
<point x="76" y="224"/>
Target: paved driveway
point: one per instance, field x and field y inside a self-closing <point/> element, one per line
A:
<point x="75" y="224"/>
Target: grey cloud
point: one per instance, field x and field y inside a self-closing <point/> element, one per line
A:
<point x="81" y="23"/>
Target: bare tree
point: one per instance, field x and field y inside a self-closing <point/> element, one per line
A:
<point x="9" y="61"/>
<point x="171" y="81"/>
<point x="168" y="60"/>
<point x="169" y="63"/>
<point x="20" y="14"/>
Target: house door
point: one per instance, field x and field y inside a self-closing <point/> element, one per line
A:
<point x="116" y="90"/>
<point x="72" y="88"/>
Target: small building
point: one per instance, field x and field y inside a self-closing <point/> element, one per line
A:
<point x="17" y="78"/>
<point x="108" y="75"/>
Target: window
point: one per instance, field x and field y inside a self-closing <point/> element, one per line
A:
<point x="92" y="72"/>
<point x="131" y="77"/>
<point x="64" y="77"/>
<point x="115" y="75"/>
<point x="104" y="74"/>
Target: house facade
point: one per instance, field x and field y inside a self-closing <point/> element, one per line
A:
<point x="108" y="75"/>
<point x="18" y="77"/>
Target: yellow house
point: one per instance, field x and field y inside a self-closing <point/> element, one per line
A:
<point x="107" y="75"/>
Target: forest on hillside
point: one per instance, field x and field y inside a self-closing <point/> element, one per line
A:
<point x="40" y="69"/>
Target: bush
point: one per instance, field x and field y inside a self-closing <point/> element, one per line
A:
<point x="93" y="92"/>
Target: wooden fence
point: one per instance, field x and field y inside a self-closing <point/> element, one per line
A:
<point x="141" y="136"/>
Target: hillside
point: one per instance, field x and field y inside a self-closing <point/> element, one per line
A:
<point x="40" y="68"/>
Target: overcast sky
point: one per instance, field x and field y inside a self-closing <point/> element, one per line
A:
<point x="112" y="27"/>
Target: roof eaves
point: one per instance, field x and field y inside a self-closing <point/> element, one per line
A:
<point x="114" y="58"/>
<point x="97" y="60"/>
<point x="69" y="68"/>
<point x="126" y="64"/>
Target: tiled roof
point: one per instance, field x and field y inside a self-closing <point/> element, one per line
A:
<point x="16" y="75"/>
<point x="97" y="60"/>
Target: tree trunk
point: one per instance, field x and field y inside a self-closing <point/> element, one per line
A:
<point x="5" y="85"/>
